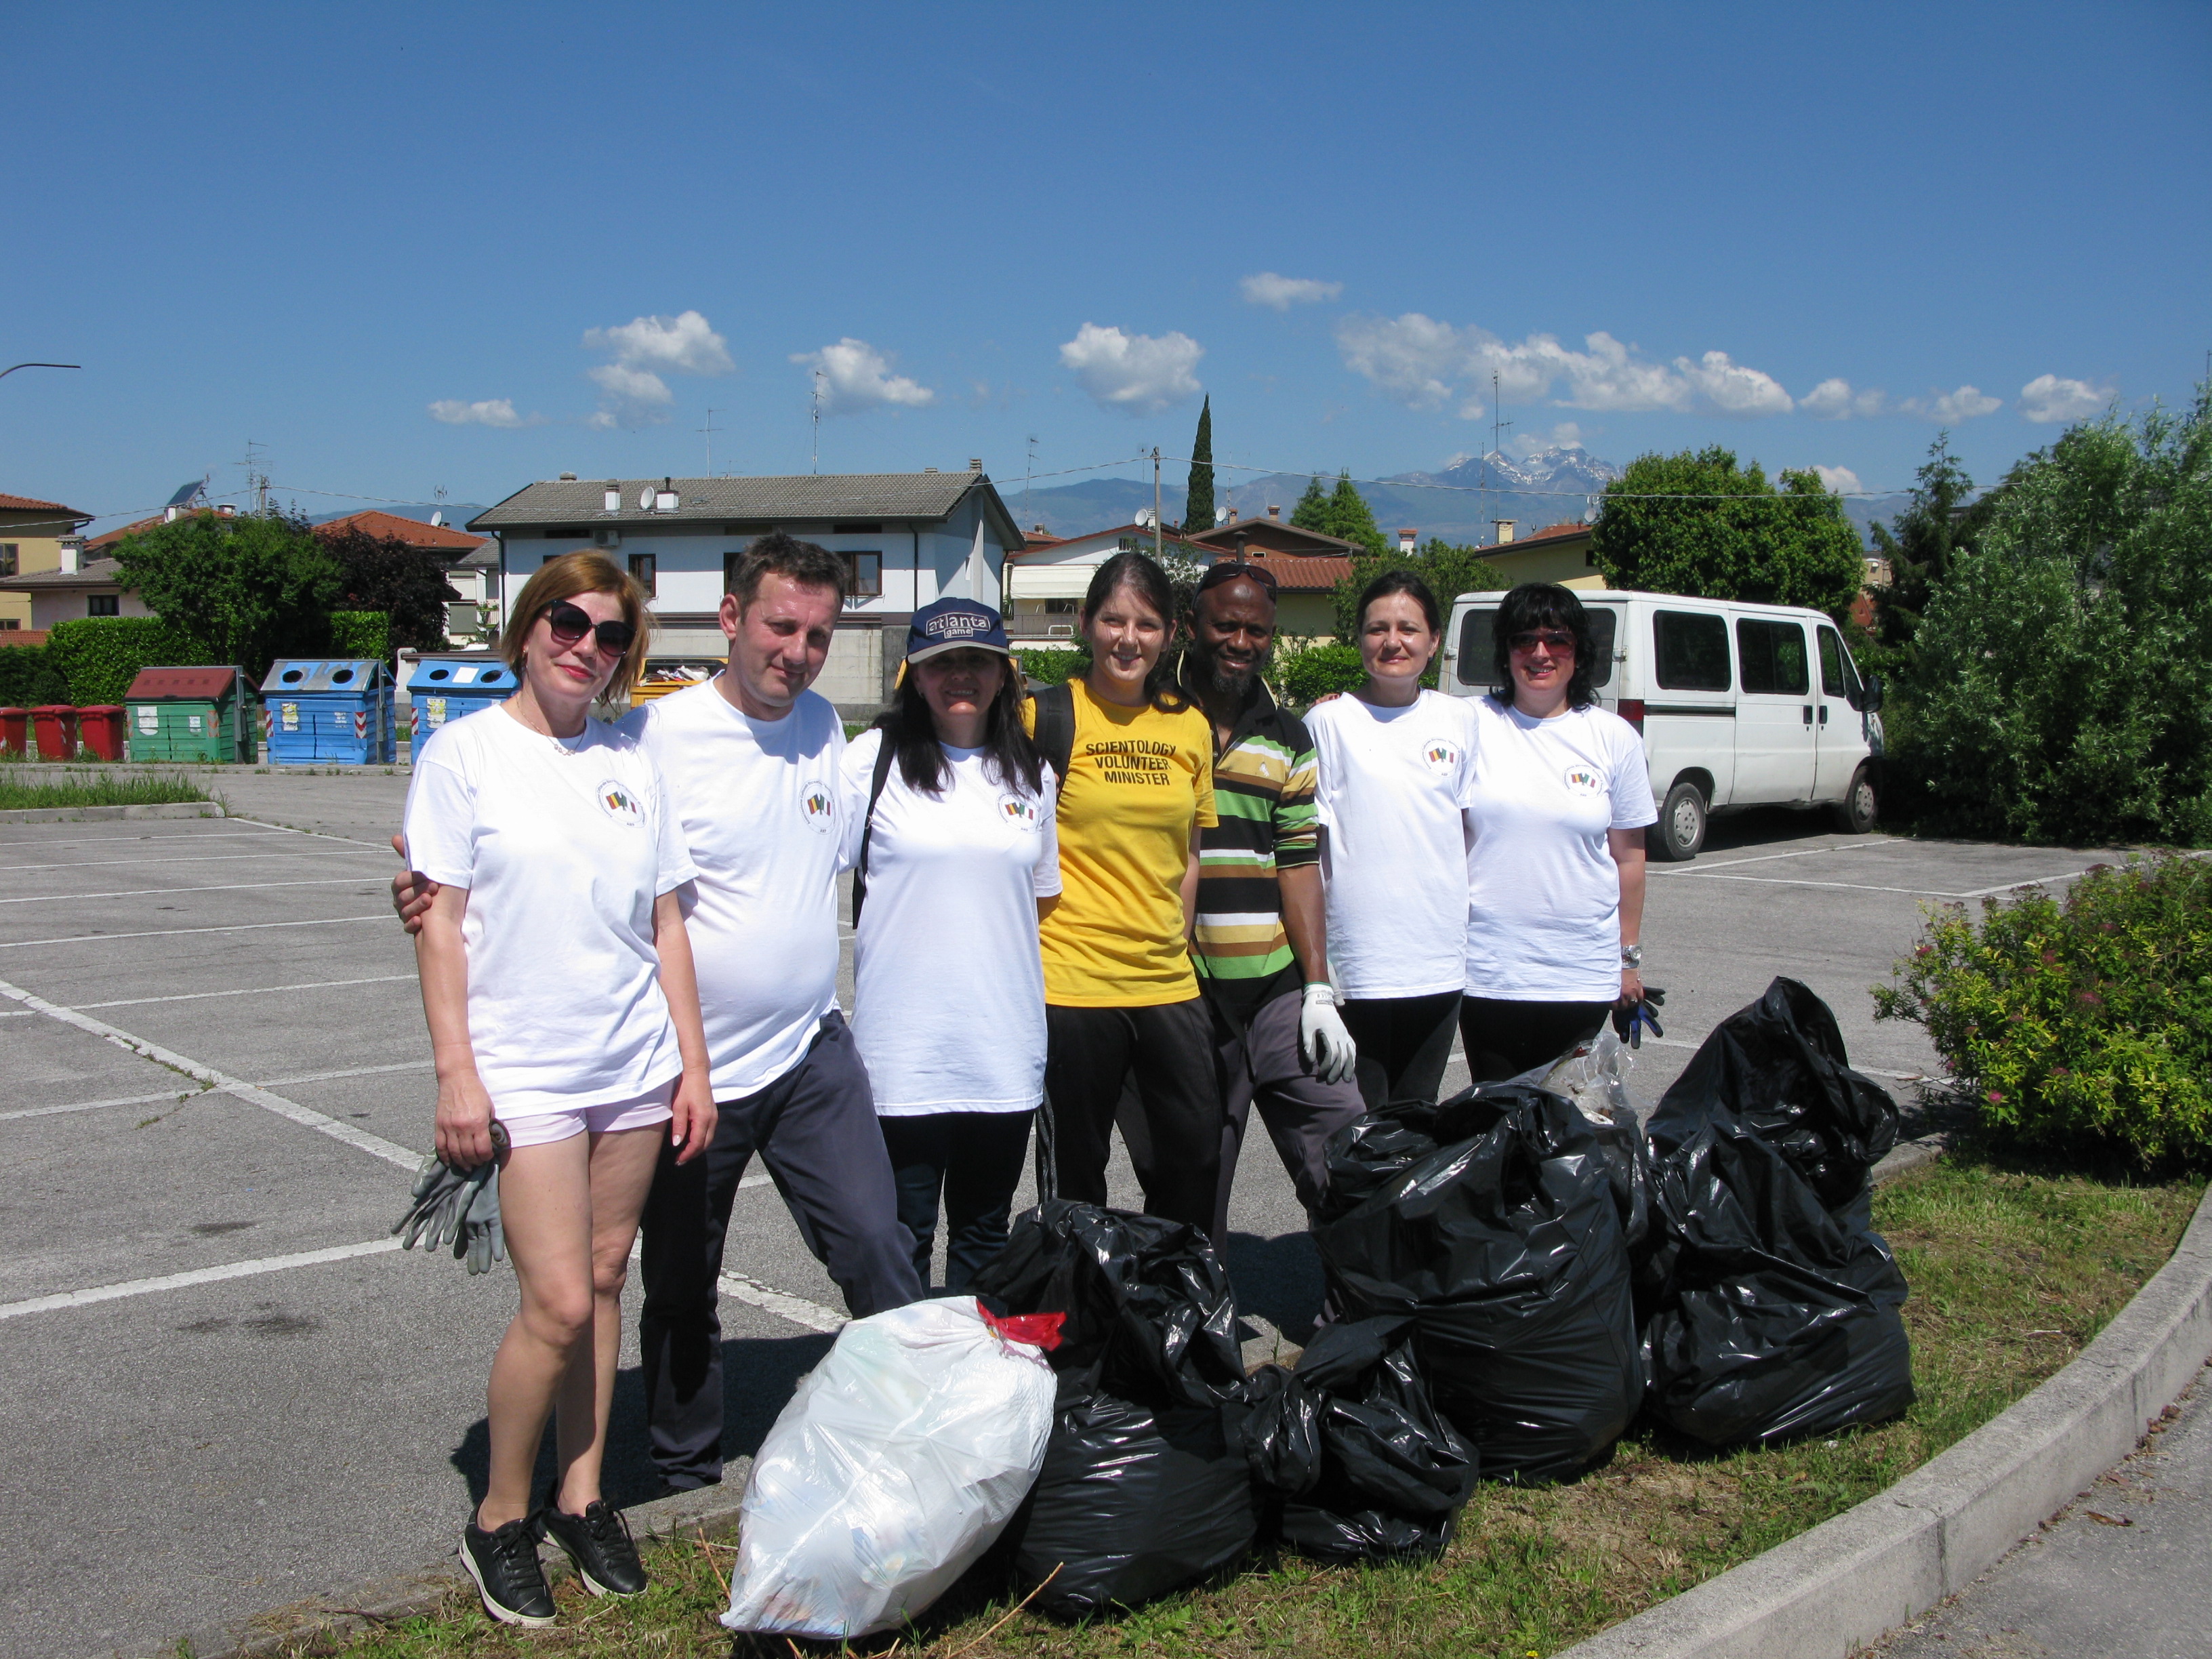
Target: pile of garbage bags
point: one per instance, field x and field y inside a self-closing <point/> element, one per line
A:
<point x="1513" y="1275"/>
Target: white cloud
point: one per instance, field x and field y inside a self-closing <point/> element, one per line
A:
<point x="1950" y="408"/>
<point x="1841" y="479"/>
<point x="1734" y="389"/>
<point x="1835" y="400"/>
<point x="644" y="349"/>
<point x="2047" y="398"/>
<point x="1134" y="372"/>
<point x="488" y="412"/>
<point x="856" y="376"/>
<point x="1406" y="357"/>
<point x="1566" y="435"/>
<point x="1283" y="292"/>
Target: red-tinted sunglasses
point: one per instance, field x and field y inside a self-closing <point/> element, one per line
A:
<point x="570" y="623"/>
<point x="1558" y="639"/>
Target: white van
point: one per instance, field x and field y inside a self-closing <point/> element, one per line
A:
<point x="1733" y="709"/>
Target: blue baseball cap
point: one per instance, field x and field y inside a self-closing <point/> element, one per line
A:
<point x="955" y="625"/>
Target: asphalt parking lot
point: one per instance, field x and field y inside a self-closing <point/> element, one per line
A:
<point x="229" y="1391"/>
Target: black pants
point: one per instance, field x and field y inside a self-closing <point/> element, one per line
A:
<point x="975" y="1159"/>
<point x="1404" y="1043"/>
<point x="1504" y="1039"/>
<point x="815" y="1129"/>
<point x="1170" y="1049"/>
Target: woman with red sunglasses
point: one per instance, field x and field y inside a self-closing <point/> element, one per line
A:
<point x="564" y="1010"/>
<point x="1560" y="800"/>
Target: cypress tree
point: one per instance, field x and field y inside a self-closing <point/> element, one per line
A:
<point x="1312" y="511"/>
<point x="1198" y="498"/>
<point x="1350" y="517"/>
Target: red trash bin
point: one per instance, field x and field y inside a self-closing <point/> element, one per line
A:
<point x="100" y="727"/>
<point x="15" y="729"/>
<point x="56" y="727"/>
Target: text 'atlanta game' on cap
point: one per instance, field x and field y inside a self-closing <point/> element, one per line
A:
<point x="955" y="625"/>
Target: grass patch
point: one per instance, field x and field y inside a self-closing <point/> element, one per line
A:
<point x="2013" y="1270"/>
<point x="95" y="789"/>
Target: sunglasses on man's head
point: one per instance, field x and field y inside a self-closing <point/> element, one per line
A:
<point x="1557" y="638"/>
<point x="570" y="623"/>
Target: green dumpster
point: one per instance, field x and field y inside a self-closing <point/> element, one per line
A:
<point x="190" y="715"/>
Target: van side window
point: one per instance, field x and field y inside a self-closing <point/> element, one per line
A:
<point x="1691" y="650"/>
<point x="1773" y="654"/>
<point x="1604" y="624"/>
<point x="1831" y="663"/>
<point x="1477" y="641"/>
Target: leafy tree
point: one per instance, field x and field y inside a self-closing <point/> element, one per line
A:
<point x="249" y="589"/>
<point x="1450" y="570"/>
<point x="1312" y="512"/>
<point x="382" y="572"/>
<point x="1919" y="542"/>
<point x="1734" y="535"/>
<point x="1351" y="519"/>
<point x="1198" y="495"/>
<point x="2060" y="686"/>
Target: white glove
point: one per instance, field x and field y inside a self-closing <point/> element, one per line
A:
<point x="1323" y="1042"/>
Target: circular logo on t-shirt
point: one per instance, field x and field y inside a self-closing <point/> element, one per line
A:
<point x="1584" y="781"/>
<point x="1019" y="811"/>
<point x="816" y="807"/>
<point x="1440" y="756"/>
<point x="617" y="801"/>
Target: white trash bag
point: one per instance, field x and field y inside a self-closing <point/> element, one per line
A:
<point x="899" y="1460"/>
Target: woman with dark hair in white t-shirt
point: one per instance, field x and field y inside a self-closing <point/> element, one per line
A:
<point x="562" y="1007"/>
<point x="1555" y="878"/>
<point x="959" y="862"/>
<point x="1396" y="766"/>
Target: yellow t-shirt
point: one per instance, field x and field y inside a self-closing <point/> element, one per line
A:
<point x="1137" y="780"/>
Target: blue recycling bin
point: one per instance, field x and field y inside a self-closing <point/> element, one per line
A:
<point x="441" y="689"/>
<point x="335" y="711"/>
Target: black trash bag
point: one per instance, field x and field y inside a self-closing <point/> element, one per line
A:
<point x="1132" y="1501"/>
<point x="1780" y="1320"/>
<point x="1628" y="1170"/>
<point x="1779" y="1066"/>
<point x="1360" y="1463"/>
<point x="1150" y="1316"/>
<point x="1491" y="1221"/>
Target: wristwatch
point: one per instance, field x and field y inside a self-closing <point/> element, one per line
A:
<point x="1632" y="955"/>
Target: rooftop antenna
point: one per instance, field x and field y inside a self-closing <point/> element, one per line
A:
<point x="257" y="477"/>
<point x="1029" y="467"/>
<point x="710" y="429"/>
<point x="1497" y="426"/>
<point x="818" y="420"/>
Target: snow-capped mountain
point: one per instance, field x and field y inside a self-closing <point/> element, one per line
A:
<point x="1568" y="468"/>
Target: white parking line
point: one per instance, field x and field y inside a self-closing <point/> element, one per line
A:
<point x="267" y="1264"/>
<point x="178" y="932"/>
<point x="796" y="1309"/>
<point x="95" y="1105"/>
<point x="164" y="892"/>
<point x="1841" y="886"/>
<point x="317" y="834"/>
<point x="259" y="991"/>
<point x="204" y="858"/>
<point x="1764" y="858"/>
<point x="133" y="841"/>
<point x="350" y="1071"/>
<point x="376" y="1145"/>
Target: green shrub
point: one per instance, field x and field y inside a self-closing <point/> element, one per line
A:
<point x="100" y="656"/>
<point x="2085" y="1017"/>
<point x="1052" y="664"/>
<point x="1311" y="669"/>
<point x="362" y="634"/>
<point x="28" y="677"/>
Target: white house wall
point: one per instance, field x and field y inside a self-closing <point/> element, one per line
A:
<point x="47" y="608"/>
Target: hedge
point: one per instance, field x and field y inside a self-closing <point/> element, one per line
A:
<point x="1309" y="673"/>
<point x="1052" y="664"/>
<point x="362" y="634"/>
<point x="100" y="656"/>
<point x="29" y="679"/>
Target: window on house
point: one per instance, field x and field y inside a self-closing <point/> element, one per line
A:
<point x="856" y="530"/>
<point x="641" y="566"/>
<point x="6" y="624"/>
<point x="864" y="575"/>
<point x="103" y="604"/>
<point x="8" y="550"/>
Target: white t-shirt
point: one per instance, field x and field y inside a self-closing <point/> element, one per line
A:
<point x="1395" y="786"/>
<point x="1544" y="894"/>
<point x="758" y="802"/>
<point x="563" y="847"/>
<point x="948" y="987"/>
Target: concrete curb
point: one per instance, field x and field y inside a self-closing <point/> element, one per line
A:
<point x="182" y="809"/>
<point x="1876" y="1567"/>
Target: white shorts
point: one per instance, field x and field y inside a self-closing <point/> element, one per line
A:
<point x="542" y="1128"/>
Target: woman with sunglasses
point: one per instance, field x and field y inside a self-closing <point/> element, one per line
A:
<point x="558" y="986"/>
<point x="1122" y="1000"/>
<point x="1397" y="777"/>
<point x="950" y="812"/>
<point x="1555" y="878"/>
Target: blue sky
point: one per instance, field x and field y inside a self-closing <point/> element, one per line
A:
<point x="407" y="247"/>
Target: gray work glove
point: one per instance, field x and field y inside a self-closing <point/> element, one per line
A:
<point x="457" y="1208"/>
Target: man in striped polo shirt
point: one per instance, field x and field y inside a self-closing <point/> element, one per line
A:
<point x="1261" y="945"/>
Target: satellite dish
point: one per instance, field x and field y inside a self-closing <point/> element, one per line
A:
<point x="645" y="499"/>
<point x="1145" y="518"/>
<point x="437" y="518"/>
<point x="1221" y="514"/>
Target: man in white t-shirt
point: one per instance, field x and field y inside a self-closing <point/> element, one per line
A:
<point x="751" y="759"/>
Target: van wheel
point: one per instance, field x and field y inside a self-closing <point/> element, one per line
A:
<point x="1680" y="831"/>
<point x="1860" y="809"/>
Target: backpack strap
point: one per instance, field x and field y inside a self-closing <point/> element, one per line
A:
<point x="1055" y="730"/>
<point x="886" y="752"/>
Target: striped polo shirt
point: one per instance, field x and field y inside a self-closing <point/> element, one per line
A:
<point x="1269" y="820"/>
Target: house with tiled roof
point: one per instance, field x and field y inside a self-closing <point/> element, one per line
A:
<point x="472" y="562"/>
<point x="1045" y="583"/>
<point x="1271" y="532"/>
<point x="1557" y="553"/>
<point x="35" y="537"/>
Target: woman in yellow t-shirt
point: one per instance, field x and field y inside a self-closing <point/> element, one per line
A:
<point x="1119" y="994"/>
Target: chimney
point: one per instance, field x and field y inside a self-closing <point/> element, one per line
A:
<point x="1408" y="540"/>
<point x="1274" y="512"/>
<point x="975" y="462"/>
<point x="568" y="477"/>
<point x="929" y="469"/>
<point x="1505" y="530"/>
<point x="73" y="555"/>
<point x="611" y="502"/>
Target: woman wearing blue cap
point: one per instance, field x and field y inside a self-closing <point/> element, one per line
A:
<point x="955" y="860"/>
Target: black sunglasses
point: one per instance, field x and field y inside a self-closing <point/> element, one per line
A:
<point x="570" y="623"/>
<point x="1236" y="570"/>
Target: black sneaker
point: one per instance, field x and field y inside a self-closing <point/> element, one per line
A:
<point x="504" y="1563"/>
<point x="599" y="1542"/>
